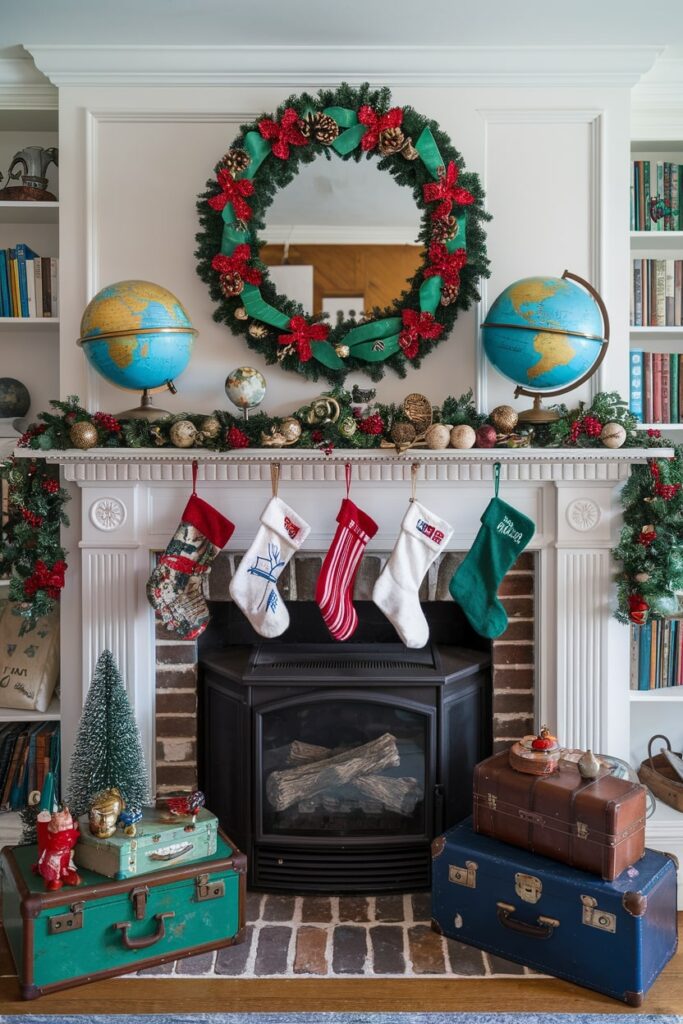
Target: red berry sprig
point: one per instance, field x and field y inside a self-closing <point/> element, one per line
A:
<point x="105" y="421"/>
<point x="666" y="491"/>
<point x="50" y="485"/>
<point x="371" y="424"/>
<point x="236" y="438"/>
<point x="32" y="518"/>
<point x="588" y="425"/>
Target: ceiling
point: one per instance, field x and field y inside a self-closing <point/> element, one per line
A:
<point x="354" y="22"/>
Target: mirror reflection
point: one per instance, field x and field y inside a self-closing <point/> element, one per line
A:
<point x="341" y="237"/>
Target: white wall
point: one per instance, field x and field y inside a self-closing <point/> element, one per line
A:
<point x="554" y="163"/>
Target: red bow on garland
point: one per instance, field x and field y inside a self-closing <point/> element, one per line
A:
<point x="237" y="264"/>
<point x="377" y="123"/>
<point x="233" y="192"/>
<point x="415" y="326"/>
<point x="447" y="191"/>
<point x="302" y="335"/>
<point x="283" y="134"/>
<point x="446" y="264"/>
<point x="43" y="578"/>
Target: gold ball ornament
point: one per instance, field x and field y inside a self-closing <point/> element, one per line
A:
<point x="437" y="436"/>
<point x="613" y="435"/>
<point x="183" y="434"/>
<point x="403" y="433"/>
<point x="210" y="426"/>
<point x="504" y="419"/>
<point x="463" y="436"/>
<point x="290" y="429"/>
<point x="83" y="435"/>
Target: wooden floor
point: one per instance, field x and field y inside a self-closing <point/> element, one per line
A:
<point x="161" y="995"/>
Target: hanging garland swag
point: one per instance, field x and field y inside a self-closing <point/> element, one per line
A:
<point x="351" y="123"/>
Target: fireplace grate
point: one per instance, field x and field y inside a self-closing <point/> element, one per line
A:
<point x="328" y="664"/>
<point x="313" y="659"/>
<point x="318" y="870"/>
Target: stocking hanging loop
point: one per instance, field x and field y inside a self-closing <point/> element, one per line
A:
<point x="347" y="473"/>
<point x="195" y="467"/>
<point x="496" y="477"/>
<point x="413" y="481"/>
<point x="275" y="477"/>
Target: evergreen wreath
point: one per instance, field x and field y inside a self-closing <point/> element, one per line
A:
<point x="352" y="123"/>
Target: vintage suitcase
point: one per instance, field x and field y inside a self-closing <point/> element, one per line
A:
<point x="157" y="844"/>
<point x="614" y="937"/>
<point x="594" y="824"/>
<point x="104" y="928"/>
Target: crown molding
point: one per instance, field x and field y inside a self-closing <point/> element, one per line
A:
<point x="22" y="85"/>
<point x="315" y="66"/>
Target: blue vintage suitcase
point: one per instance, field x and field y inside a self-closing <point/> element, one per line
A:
<point x="615" y="937"/>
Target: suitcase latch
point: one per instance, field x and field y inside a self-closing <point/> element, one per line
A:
<point x="491" y="800"/>
<point x="532" y="816"/>
<point x="138" y="898"/>
<point x="582" y="830"/>
<point x="466" y="876"/>
<point x="528" y="887"/>
<point x="70" y="922"/>
<point x="206" y="890"/>
<point x="596" y="918"/>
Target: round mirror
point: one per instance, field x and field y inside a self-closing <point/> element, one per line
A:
<point x="392" y="266"/>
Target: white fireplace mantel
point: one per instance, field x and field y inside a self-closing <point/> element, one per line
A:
<point x="131" y="501"/>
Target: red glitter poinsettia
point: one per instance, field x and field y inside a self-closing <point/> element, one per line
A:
<point x="283" y="133"/>
<point x="233" y="192"/>
<point x="415" y="326"/>
<point x="373" y="424"/>
<point x="51" y="580"/>
<point x="445" y="264"/>
<point x="302" y="335"/>
<point x="237" y="264"/>
<point x="377" y="123"/>
<point x="447" y="191"/>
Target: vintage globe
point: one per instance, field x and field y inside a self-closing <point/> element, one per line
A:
<point x="245" y="387"/>
<point x="14" y="398"/>
<point x="137" y="335"/>
<point x="547" y="334"/>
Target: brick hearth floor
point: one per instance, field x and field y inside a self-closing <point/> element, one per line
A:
<point x="341" y="936"/>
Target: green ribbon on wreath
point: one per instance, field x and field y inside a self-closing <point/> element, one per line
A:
<point x="347" y="141"/>
<point x="258" y="149"/>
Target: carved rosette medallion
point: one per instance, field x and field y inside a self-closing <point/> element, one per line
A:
<point x="583" y="514"/>
<point x="107" y="514"/>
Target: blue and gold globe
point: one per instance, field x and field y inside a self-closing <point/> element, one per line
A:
<point x="547" y="334"/>
<point x="137" y="335"/>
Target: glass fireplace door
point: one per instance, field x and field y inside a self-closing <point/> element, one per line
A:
<point x="342" y="766"/>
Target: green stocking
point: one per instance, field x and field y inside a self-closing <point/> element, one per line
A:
<point x="503" y="535"/>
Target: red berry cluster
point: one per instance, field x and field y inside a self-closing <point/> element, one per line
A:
<point x="652" y="432"/>
<point x="317" y="437"/>
<point x="647" y="536"/>
<point x="666" y="491"/>
<point x="371" y="424"/>
<point x="32" y="518"/>
<point x="236" y="438"/>
<point x="51" y="580"/>
<point x="51" y="486"/>
<point x="588" y="425"/>
<point x="25" y="438"/>
<point x="105" y="421"/>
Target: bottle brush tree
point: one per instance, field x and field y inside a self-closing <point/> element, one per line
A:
<point x="108" y="750"/>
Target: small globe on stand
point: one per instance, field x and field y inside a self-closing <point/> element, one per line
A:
<point x="548" y="335"/>
<point x="137" y="335"/>
<point x="246" y="388"/>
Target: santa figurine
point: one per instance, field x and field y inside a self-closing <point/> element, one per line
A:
<point x="57" y="835"/>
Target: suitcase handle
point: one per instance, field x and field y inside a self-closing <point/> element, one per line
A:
<point x="145" y="940"/>
<point x="543" y="930"/>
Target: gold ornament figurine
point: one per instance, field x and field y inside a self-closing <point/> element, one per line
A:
<point x="104" y="812"/>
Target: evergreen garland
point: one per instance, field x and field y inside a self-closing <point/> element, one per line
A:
<point x="275" y="173"/>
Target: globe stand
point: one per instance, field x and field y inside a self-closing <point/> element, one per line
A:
<point x="537" y="414"/>
<point x="146" y="410"/>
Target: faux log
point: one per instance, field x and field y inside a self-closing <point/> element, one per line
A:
<point x="294" y="753"/>
<point x="289" y="786"/>
<point x="399" y="795"/>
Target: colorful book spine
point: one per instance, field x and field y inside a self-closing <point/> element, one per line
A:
<point x="674" y="387"/>
<point x="5" y="307"/>
<point x="647" y="389"/>
<point x="636" y="378"/>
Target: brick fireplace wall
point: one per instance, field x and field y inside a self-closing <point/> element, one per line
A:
<point x="176" y="660"/>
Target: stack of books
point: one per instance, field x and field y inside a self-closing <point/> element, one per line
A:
<point x="657" y="655"/>
<point x="28" y="751"/>
<point x="29" y="284"/>
<point x="657" y="293"/>
<point x="655" y="185"/>
<point x="656" y="394"/>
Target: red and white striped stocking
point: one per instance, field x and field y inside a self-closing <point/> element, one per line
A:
<point x="334" y="590"/>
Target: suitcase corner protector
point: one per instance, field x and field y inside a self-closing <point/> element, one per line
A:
<point x="438" y="846"/>
<point x="436" y="927"/>
<point x="634" y="903"/>
<point x="31" y="906"/>
<point x="239" y="863"/>
<point x="633" y="998"/>
<point x="30" y="991"/>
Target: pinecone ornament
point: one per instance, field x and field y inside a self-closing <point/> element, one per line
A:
<point x="231" y="284"/>
<point x="449" y="293"/>
<point x="391" y="141"/>
<point x="445" y="230"/>
<point x="236" y="161"/>
<point x="258" y="331"/>
<point x="320" y="127"/>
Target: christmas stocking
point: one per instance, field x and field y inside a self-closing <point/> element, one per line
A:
<point x="423" y="535"/>
<point x="253" y="587"/>
<point x="175" y="587"/>
<point x="334" y="590"/>
<point x="503" y="535"/>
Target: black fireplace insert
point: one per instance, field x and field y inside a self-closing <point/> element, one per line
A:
<point x="332" y="765"/>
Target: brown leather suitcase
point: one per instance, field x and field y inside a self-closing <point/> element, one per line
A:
<point x="596" y="825"/>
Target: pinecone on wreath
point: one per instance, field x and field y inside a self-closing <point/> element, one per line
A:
<point x="449" y="293"/>
<point x="231" y="284"/>
<point x="320" y="127"/>
<point x="445" y="230"/>
<point x="392" y="141"/>
<point x="235" y="161"/>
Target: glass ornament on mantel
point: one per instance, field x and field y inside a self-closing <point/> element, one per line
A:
<point x="246" y="388"/>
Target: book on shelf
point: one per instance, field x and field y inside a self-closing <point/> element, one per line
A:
<point x="658" y="180"/>
<point x="657" y="293"/>
<point x="28" y="283"/>
<point x="656" y="386"/>
<point x="28" y="751"/>
<point x="657" y="655"/>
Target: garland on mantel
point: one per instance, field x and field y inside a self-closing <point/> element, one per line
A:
<point x="650" y="550"/>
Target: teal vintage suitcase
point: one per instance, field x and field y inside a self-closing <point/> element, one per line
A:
<point x="102" y="928"/>
<point x="159" y="842"/>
